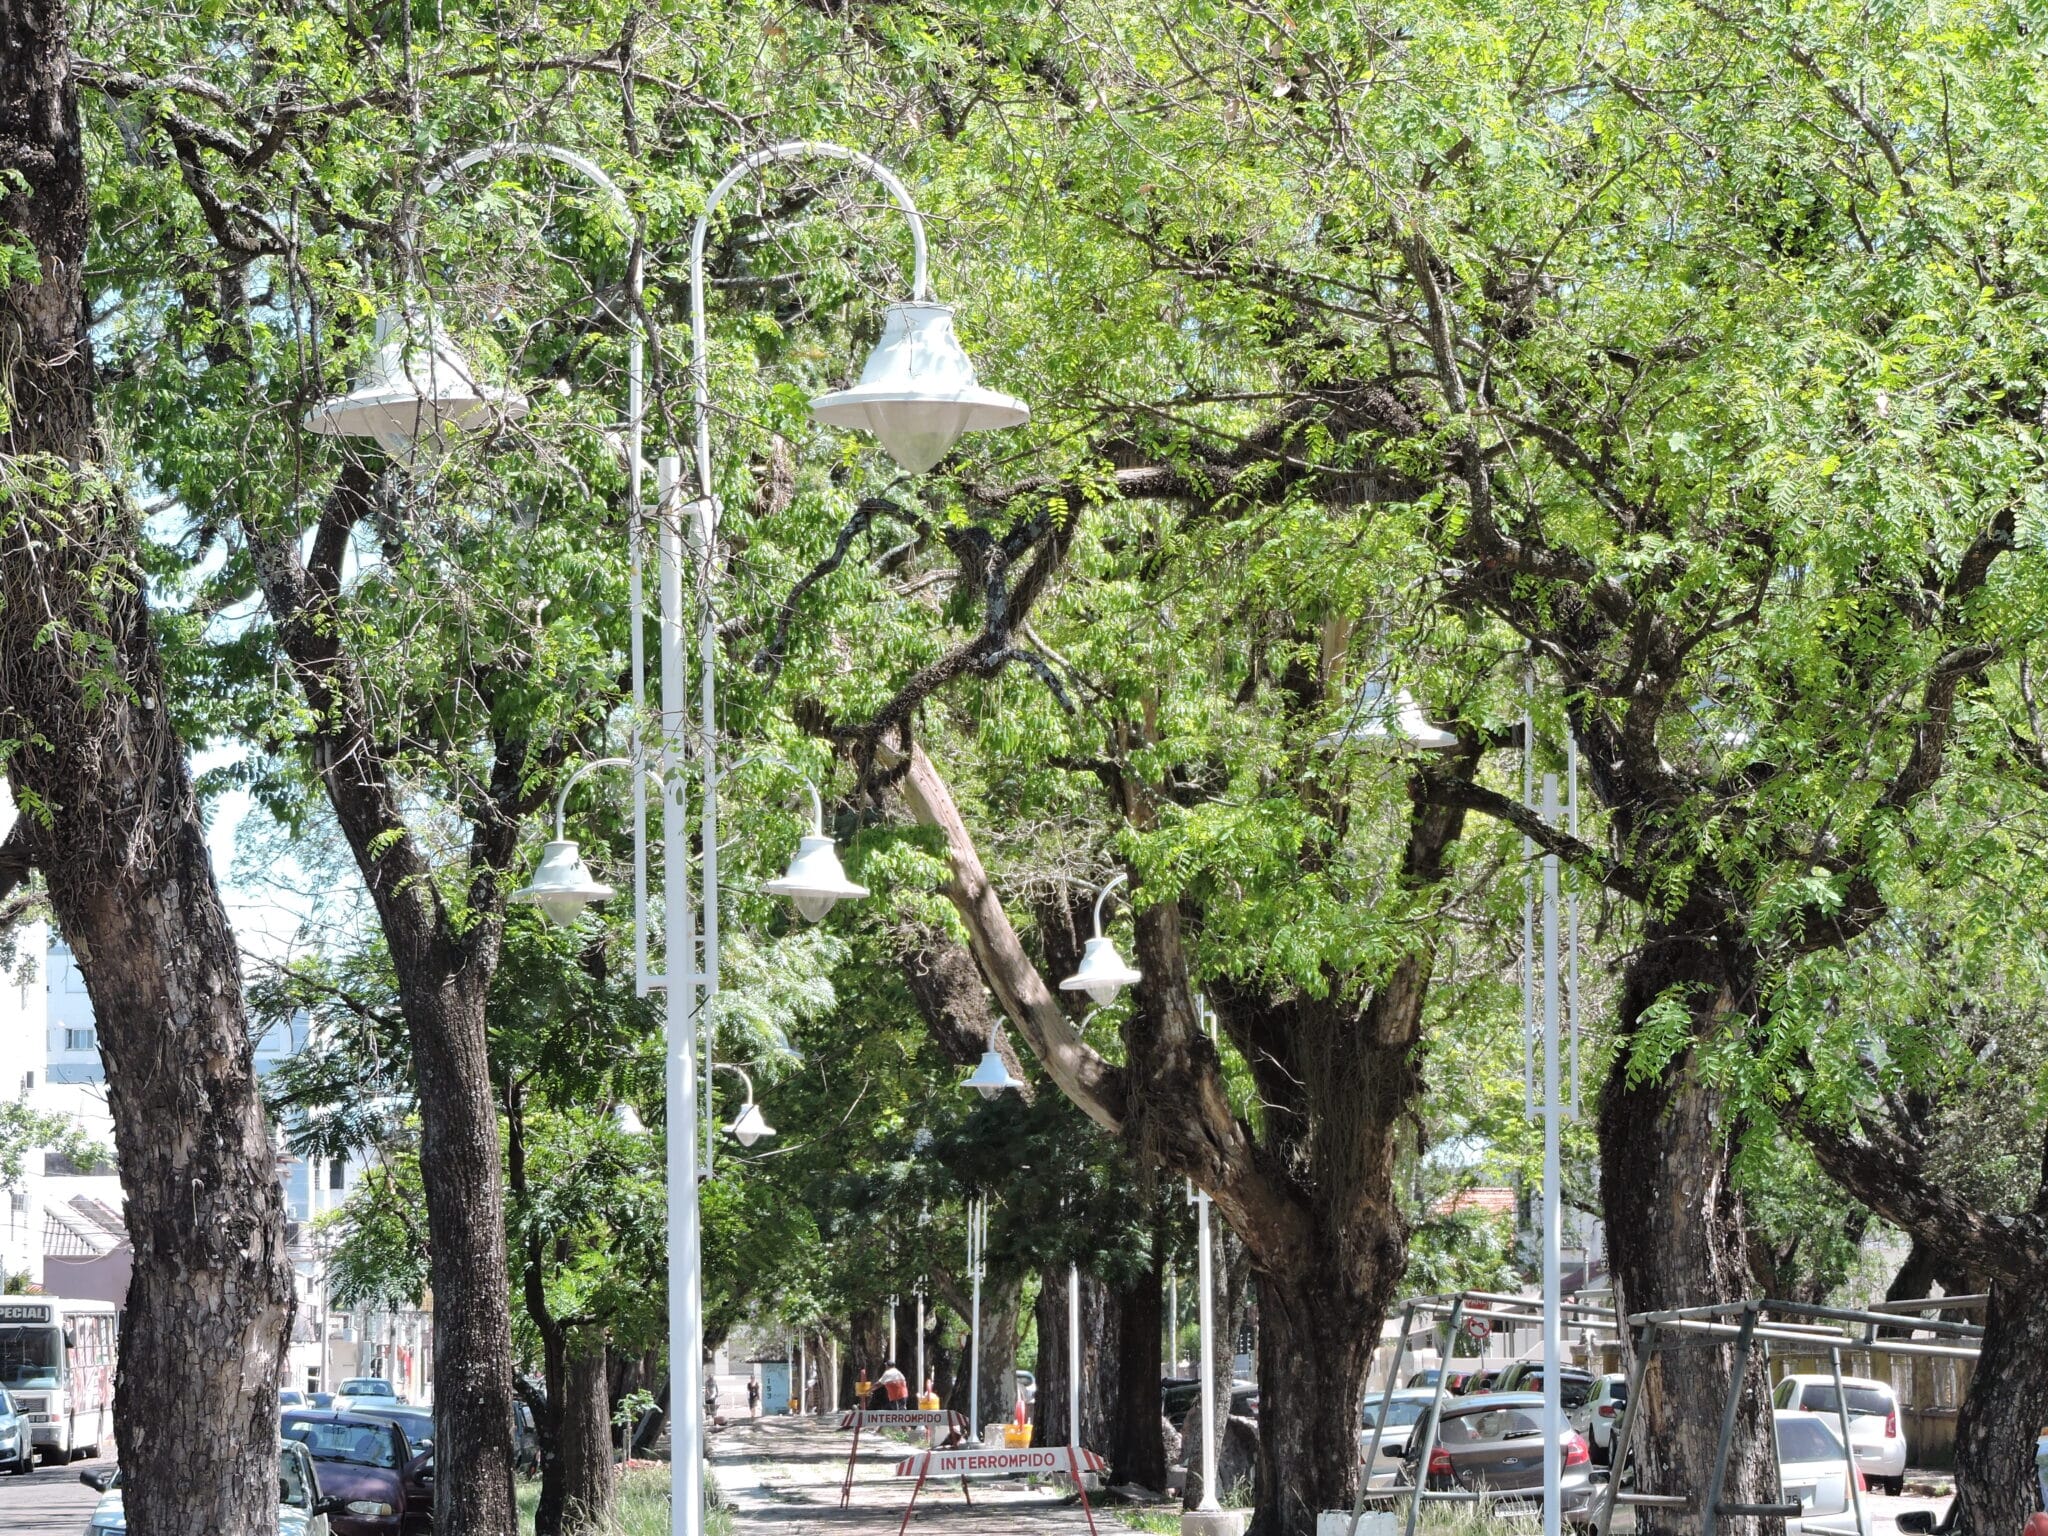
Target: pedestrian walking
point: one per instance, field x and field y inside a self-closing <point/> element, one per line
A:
<point x="895" y="1385"/>
<point x="753" y="1397"/>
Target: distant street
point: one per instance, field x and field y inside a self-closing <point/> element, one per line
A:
<point x="49" y="1502"/>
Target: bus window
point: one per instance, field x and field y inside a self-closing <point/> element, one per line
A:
<point x="30" y="1356"/>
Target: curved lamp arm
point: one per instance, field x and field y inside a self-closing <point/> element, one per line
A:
<point x="726" y="1066"/>
<point x="1101" y="897"/>
<point x="746" y="165"/>
<point x="765" y="755"/>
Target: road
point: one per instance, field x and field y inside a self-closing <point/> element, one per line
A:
<point x="51" y="1501"/>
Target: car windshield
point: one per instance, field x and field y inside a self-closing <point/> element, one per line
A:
<point x="1861" y="1400"/>
<point x="366" y="1386"/>
<point x="1807" y="1440"/>
<point x="31" y="1355"/>
<point x="292" y="1488"/>
<point x="1402" y="1411"/>
<point x="357" y="1443"/>
<point x="1489" y="1425"/>
<point x="1617" y="1391"/>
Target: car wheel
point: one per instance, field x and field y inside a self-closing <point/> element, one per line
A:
<point x="1895" y="1485"/>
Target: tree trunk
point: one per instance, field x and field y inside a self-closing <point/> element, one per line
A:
<point x="1997" y="1485"/>
<point x="466" y="1231"/>
<point x="1099" y="1350"/>
<point x="1676" y="1235"/>
<point x="1314" y="1351"/>
<point x="1136" y="1448"/>
<point x="589" y="1491"/>
<point x="108" y="814"/>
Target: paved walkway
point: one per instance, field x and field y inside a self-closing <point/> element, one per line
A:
<point x="50" y="1501"/>
<point x="782" y="1478"/>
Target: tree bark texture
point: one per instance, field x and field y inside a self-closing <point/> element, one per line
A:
<point x="1883" y="1162"/>
<point x="1677" y="1238"/>
<point x="589" y="1489"/>
<point x="1135" y="1445"/>
<point x="109" y="816"/>
<point x="1997" y="1485"/>
<point x="1099" y="1382"/>
<point x="443" y="963"/>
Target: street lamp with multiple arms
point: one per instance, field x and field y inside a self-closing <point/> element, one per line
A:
<point x="918" y="394"/>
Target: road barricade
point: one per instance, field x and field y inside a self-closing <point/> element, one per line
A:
<point x="926" y="1419"/>
<point x="968" y="1461"/>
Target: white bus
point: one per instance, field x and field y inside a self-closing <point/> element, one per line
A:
<point x="57" y="1363"/>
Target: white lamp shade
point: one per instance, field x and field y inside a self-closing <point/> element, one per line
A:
<point x="751" y="1126"/>
<point x="1380" y="719"/>
<point x="627" y="1120"/>
<point x="992" y="1077"/>
<point x="416" y="391"/>
<point x="561" y="886"/>
<point x="814" y="880"/>
<point x="918" y="392"/>
<point x="1103" y="972"/>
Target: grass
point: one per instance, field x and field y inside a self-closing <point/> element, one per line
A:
<point x="643" y="1505"/>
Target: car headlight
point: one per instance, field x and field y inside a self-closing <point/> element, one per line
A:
<point x="368" y="1507"/>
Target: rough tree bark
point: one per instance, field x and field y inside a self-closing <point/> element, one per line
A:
<point x="1135" y="1446"/>
<point x="1677" y="1238"/>
<point x="109" y="816"/>
<point x="589" y="1489"/>
<point x="443" y="960"/>
<point x="1882" y="1161"/>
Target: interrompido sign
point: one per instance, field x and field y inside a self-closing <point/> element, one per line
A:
<point x="969" y="1461"/>
<point x="927" y="1419"/>
<point x="900" y="1418"/>
<point x="981" y="1461"/>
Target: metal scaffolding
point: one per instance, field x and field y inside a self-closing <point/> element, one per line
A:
<point x="1750" y="1324"/>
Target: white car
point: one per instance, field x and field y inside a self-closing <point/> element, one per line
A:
<point x="1600" y="1415"/>
<point x="299" y="1511"/>
<point x="1406" y="1411"/>
<point x="1814" y="1470"/>
<point x="1874" y="1428"/>
<point x="366" y="1392"/>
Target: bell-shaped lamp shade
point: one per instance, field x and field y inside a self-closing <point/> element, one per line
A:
<point x="417" y="392"/>
<point x="991" y="1078"/>
<point x="1103" y="972"/>
<point x="627" y="1121"/>
<point x="814" y="880"/>
<point x="1386" y="720"/>
<point x="918" y="392"/>
<point x="561" y="886"/>
<point x="751" y="1125"/>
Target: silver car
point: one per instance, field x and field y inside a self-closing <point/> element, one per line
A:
<point x="1814" y="1471"/>
<point x="17" y="1454"/>
<point x="1874" y="1428"/>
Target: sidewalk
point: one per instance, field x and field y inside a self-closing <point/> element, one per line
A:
<point x="781" y="1476"/>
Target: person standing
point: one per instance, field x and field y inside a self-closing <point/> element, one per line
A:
<point x="753" y="1397"/>
<point x="896" y="1386"/>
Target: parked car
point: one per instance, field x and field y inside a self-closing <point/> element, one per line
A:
<point x="1575" y="1385"/>
<point x="361" y="1391"/>
<point x="1874" y="1429"/>
<point x="17" y="1455"/>
<point x="1494" y="1445"/>
<point x="287" y="1398"/>
<point x="1407" y="1409"/>
<point x="301" y="1510"/>
<point x="525" y="1439"/>
<point x="319" y="1399"/>
<point x="1815" y="1471"/>
<point x="1027" y="1388"/>
<point x="383" y="1487"/>
<point x="1599" y="1415"/>
<point x="1460" y="1381"/>
<point x="1179" y="1395"/>
<point x="418" y="1423"/>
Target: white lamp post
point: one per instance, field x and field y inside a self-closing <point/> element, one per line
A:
<point x="918" y="394"/>
<point x="1103" y="972"/>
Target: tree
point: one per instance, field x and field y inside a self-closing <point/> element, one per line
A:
<point x="24" y="1130"/>
<point x="108" y="816"/>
